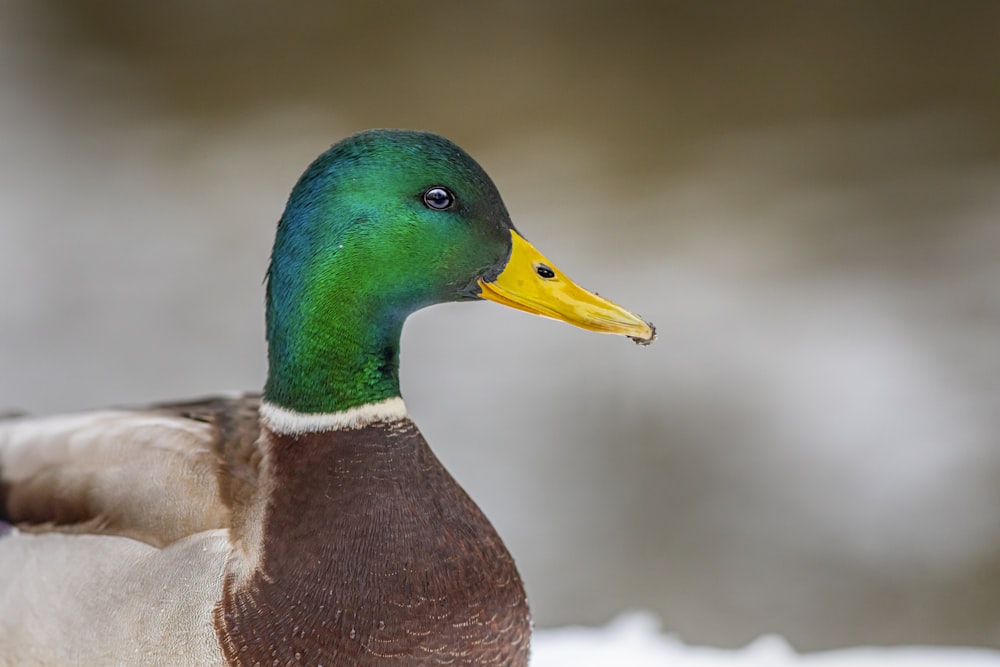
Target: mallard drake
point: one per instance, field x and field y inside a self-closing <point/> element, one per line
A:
<point x="310" y="524"/>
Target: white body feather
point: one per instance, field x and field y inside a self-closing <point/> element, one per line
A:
<point x="87" y="598"/>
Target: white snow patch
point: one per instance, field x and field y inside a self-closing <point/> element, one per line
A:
<point x="635" y="640"/>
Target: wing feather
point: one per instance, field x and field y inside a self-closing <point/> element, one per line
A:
<point x="156" y="474"/>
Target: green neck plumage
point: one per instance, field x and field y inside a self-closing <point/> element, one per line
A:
<point x="333" y="331"/>
<point x="322" y="361"/>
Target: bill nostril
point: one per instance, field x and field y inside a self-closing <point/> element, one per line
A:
<point x="544" y="271"/>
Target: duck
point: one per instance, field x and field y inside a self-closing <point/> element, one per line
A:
<point x="310" y="523"/>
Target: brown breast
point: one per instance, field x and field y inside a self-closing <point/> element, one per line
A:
<point x="371" y="554"/>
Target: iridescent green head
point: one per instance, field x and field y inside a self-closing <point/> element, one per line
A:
<point x="382" y="224"/>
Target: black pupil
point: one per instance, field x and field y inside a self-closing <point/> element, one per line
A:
<point x="545" y="272"/>
<point x="439" y="198"/>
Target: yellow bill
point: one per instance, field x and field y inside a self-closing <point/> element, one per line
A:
<point x="533" y="284"/>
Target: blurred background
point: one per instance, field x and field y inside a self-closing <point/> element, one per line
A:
<point x="803" y="196"/>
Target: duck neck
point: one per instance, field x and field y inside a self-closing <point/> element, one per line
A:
<point x="329" y="352"/>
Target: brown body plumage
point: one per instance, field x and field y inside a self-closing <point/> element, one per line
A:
<point x="351" y="547"/>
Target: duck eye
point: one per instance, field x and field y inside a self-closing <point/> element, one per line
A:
<point x="544" y="271"/>
<point x="438" y="198"/>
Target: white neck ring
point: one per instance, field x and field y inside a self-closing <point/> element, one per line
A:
<point x="290" y="422"/>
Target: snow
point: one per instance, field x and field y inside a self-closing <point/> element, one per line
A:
<point x="636" y="640"/>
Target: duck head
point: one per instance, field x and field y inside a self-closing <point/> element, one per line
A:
<point x="382" y="224"/>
